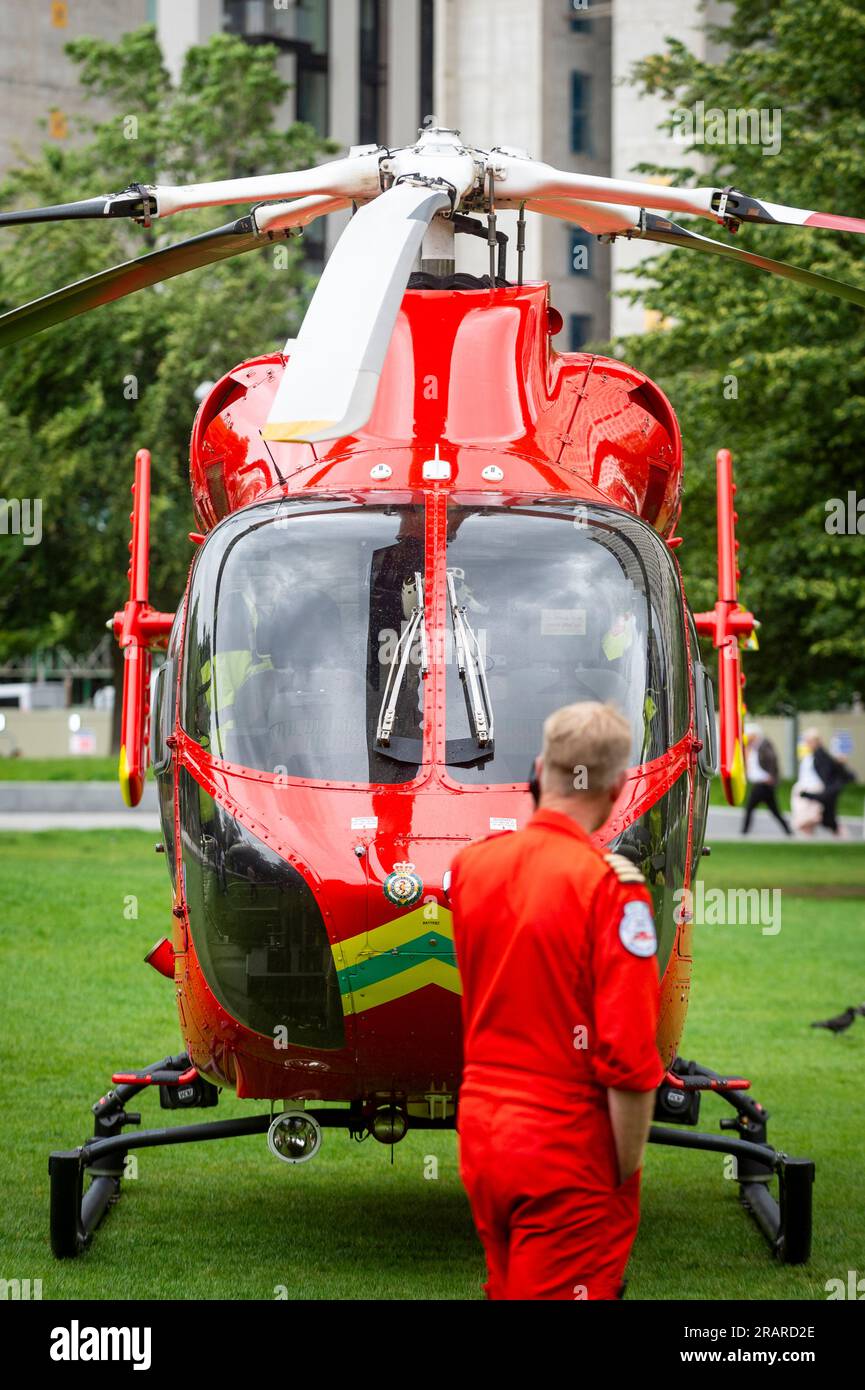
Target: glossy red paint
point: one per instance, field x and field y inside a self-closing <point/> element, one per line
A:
<point x="161" y="957"/>
<point x="471" y="376"/>
<point x="474" y="372"/>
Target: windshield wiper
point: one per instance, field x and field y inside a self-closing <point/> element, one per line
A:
<point x="399" y="664"/>
<point x="471" y="667"/>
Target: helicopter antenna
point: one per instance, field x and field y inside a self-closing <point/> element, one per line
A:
<point x="279" y="472"/>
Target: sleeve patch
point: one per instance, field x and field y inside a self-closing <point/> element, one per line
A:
<point x="637" y="929"/>
<point x="624" y="868"/>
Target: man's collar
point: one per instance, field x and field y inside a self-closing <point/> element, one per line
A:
<point x="558" y="820"/>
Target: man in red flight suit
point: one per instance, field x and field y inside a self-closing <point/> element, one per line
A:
<point x="557" y="952"/>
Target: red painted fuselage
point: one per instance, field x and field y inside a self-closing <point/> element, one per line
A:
<point x="471" y="381"/>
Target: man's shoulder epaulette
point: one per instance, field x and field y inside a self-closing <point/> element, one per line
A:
<point x="624" y="868"/>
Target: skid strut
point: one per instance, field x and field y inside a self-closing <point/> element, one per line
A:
<point x="785" y="1221"/>
<point x="75" y="1212"/>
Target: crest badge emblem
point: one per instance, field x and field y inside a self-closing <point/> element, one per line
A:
<point x="403" y="887"/>
<point x="637" y="929"/>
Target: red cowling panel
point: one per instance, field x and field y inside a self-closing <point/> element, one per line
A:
<point x="472" y="371"/>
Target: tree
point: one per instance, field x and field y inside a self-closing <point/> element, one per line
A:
<point x="79" y="399"/>
<point x="765" y="367"/>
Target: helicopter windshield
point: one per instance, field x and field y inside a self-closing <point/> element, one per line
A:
<point x="309" y="636"/>
<point x="295" y="614"/>
<point x="565" y="604"/>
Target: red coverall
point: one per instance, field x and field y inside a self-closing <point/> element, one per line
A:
<point x="560" y="1002"/>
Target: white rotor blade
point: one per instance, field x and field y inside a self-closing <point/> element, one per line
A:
<point x="522" y="179"/>
<point x="597" y="218"/>
<point x="329" y="384"/>
<point x="276" y="217"/>
<point x="355" y="177"/>
<point x="530" y="179"/>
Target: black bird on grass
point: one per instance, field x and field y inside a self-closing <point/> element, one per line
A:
<point x="841" y="1022"/>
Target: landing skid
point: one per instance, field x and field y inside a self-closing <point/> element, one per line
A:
<point x="76" y="1213"/>
<point x="786" y="1220"/>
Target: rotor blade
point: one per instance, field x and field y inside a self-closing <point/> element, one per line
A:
<point x="518" y="178"/>
<point x="329" y="384"/>
<point x="660" y="229"/>
<point x="120" y="280"/>
<point x="133" y="202"/>
<point x="354" y="177"/>
<point x="275" y="217"/>
<point x="596" y="218"/>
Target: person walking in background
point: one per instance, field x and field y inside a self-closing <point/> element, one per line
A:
<point x="821" y="780"/>
<point x="761" y="767"/>
<point x="807" y="810"/>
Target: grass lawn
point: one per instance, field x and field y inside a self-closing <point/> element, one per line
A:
<point x="226" y="1220"/>
<point x="83" y="769"/>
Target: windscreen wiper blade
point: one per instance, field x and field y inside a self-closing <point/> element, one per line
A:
<point x="472" y="670"/>
<point x="399" y="665"/>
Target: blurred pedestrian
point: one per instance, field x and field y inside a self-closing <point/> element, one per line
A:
<point x="822" y="778"/>
<point x="761" y="768"/>
<point x="806" y="811"/>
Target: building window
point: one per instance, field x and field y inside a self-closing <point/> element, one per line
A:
<point x="372" y="124"/>
<point x="579" y="331"/>
<point x="580" y="130"/>
<point x="427" y="40"/>
<point x="312" y="91"/>
<point x="299" y="27"/>
<point x="579" y="20"/>
<point x="580" y="262"/>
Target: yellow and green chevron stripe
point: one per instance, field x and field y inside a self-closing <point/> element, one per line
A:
<point x="397" y="958"/>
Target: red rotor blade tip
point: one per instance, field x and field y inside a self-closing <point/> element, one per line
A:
<point x="836" y="223"/>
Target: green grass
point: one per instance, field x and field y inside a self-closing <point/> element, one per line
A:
<point x="850" y="802"/>
<point x="225" y="1220"/>
<point x="84" y="769"/>
<point x="815" y="866"/>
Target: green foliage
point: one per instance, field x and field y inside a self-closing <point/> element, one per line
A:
<point x="769" y="369"/>
<point x="79" y="399"/>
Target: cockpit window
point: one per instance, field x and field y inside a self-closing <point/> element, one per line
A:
<point x="558" y="604"/>
<point x="296" y="612"/>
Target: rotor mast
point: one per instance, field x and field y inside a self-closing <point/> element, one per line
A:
<point x="437" y="254"/>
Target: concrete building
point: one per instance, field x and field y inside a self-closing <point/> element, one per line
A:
<point x="39" y="93"/>
<point x="637" y="30"/>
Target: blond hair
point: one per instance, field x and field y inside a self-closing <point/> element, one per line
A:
<point x="586" y="746"/>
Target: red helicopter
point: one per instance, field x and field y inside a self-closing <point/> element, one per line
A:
<point x="421" y="529"/>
